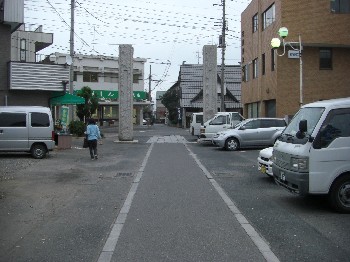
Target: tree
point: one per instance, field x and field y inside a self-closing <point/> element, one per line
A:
<point x="171" y="101"/>
<point x="85" y="111"/>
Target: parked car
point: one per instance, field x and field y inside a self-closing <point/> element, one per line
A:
<point x="253" y="132"/>
<point x="265" y="161"/>
<point x="26" y="129"/>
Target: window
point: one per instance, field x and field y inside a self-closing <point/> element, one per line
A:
<point x="254" y="124"/>
<point x="255" y="68"/>
<point x="340" y="6"/>
<point x="136" y="78"/>
<point x="263" y="64"/>
<point x="325" y="58"/>
<point x="246" y="73"/>
<point x="12" y="120"/>
<point x="220" y="120"/>
<point x="75" y="76"/>
<point x="111" y="78"/>
<point x="269" y="16"/>
<point x="255" y="23"/>
<point x="40" y="120"/>
<point x="336" y="125"/>
<point x="23" y="50"/>
<point x="273" y="60"/>
<point x="90" y="77"/>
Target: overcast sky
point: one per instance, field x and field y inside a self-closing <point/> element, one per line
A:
<point x="166" y="32"/>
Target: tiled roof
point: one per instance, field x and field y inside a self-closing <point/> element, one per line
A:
<point x="191" y="84"/>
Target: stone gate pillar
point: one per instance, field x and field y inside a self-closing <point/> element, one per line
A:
<point x="210" y="95"/>
<point x="126" y="100"/>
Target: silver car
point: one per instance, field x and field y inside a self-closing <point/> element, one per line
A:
<point x="252" y="132"/>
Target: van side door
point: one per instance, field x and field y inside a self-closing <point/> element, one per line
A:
<point x="13" y="131"/>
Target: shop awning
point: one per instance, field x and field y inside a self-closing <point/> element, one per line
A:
<point x="67" y="99"/>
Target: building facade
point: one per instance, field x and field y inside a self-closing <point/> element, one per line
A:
<point x="274" y="85"/>
<point x="101" y="74"/>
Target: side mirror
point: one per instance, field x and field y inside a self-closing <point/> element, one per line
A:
<point x="302" y="129"/>
<point x="303" y="126"/>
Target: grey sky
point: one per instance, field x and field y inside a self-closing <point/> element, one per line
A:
<point x="166" y="33"/>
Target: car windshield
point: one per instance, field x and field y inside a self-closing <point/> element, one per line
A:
<point x="311" y="114"/>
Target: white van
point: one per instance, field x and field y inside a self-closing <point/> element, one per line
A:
<point x="196" y="123"/>
<point x="26" y="129"/>
<point x="312" y="156"/>
<point x="221" y="122"/>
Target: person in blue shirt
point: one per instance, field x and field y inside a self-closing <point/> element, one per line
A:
<point x="93" y="134"/>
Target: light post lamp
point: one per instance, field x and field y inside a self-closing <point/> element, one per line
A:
<point x="276" y="43"/>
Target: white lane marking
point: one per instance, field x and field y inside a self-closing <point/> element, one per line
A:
<point x="167" y="139"/>
<point x="117" y="226"/>
<point x="249" y="229"/>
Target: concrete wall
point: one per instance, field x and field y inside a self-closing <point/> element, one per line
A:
<point x="5" y="57"/>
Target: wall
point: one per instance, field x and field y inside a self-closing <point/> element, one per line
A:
<point x="5" y="57"/>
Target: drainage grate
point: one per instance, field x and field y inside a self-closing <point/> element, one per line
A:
<point x="123" y="175"/>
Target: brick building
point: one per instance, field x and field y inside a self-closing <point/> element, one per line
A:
<point x="271" y="83"/>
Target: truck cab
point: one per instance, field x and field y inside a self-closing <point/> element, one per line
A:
<point x="312" y="155"/>
<point x="221" y="121"/>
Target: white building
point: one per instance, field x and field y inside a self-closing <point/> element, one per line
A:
<point x="101" y="74"/>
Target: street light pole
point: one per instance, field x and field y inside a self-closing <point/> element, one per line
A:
<point x="276" y="42"/>
<point x="300" y="74"/>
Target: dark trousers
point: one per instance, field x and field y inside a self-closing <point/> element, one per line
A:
<point x="93" y="148"/>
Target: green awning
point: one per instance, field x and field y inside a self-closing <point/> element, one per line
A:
<point x="67" y="99"/>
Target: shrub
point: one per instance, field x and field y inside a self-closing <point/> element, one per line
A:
<point x="77" y="128"/>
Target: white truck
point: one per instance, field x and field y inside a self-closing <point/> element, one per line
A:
<point x="312" y="156"/>
<point x="196" y="123"/>
<point x="220" y="122"/>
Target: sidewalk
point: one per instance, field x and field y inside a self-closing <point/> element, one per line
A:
<point x="175" y="211"/>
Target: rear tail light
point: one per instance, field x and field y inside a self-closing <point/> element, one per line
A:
<point x="53" y="135"/>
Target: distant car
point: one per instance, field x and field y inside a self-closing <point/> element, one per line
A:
<point x="265" y="161"/>
<point x="144" y="122"/>
<point x="252" y="132"/>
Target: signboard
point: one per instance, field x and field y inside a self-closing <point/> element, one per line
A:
<point x="64" y="116"/>
<point x="113" y="95"/>
<point x="293" y="54"/>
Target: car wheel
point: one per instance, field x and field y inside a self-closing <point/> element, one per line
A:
<point x="339" y="195"/>
<point x="231" y="144"/>
<point x="38" y="151"/>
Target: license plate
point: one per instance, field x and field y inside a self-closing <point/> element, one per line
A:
<point x="262" y="168"/>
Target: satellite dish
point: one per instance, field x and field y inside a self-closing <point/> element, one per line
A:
<point x="69" y="60"/>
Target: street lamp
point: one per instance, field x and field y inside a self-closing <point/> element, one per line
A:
<point x="276" y="43"/>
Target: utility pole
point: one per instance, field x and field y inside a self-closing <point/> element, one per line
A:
<point x="149" y="83"/>
<point x="71" y="68"/>
<point x="223" y="47"/>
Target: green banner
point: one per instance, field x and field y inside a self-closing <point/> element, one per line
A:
<point x="105" y="94"/>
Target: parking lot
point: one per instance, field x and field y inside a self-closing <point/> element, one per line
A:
<point x="67" y="202"/>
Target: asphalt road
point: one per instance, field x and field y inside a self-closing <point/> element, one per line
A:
<point x="62" y="208"/>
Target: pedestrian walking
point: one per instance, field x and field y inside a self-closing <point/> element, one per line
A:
<point x="93" y="134"/>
